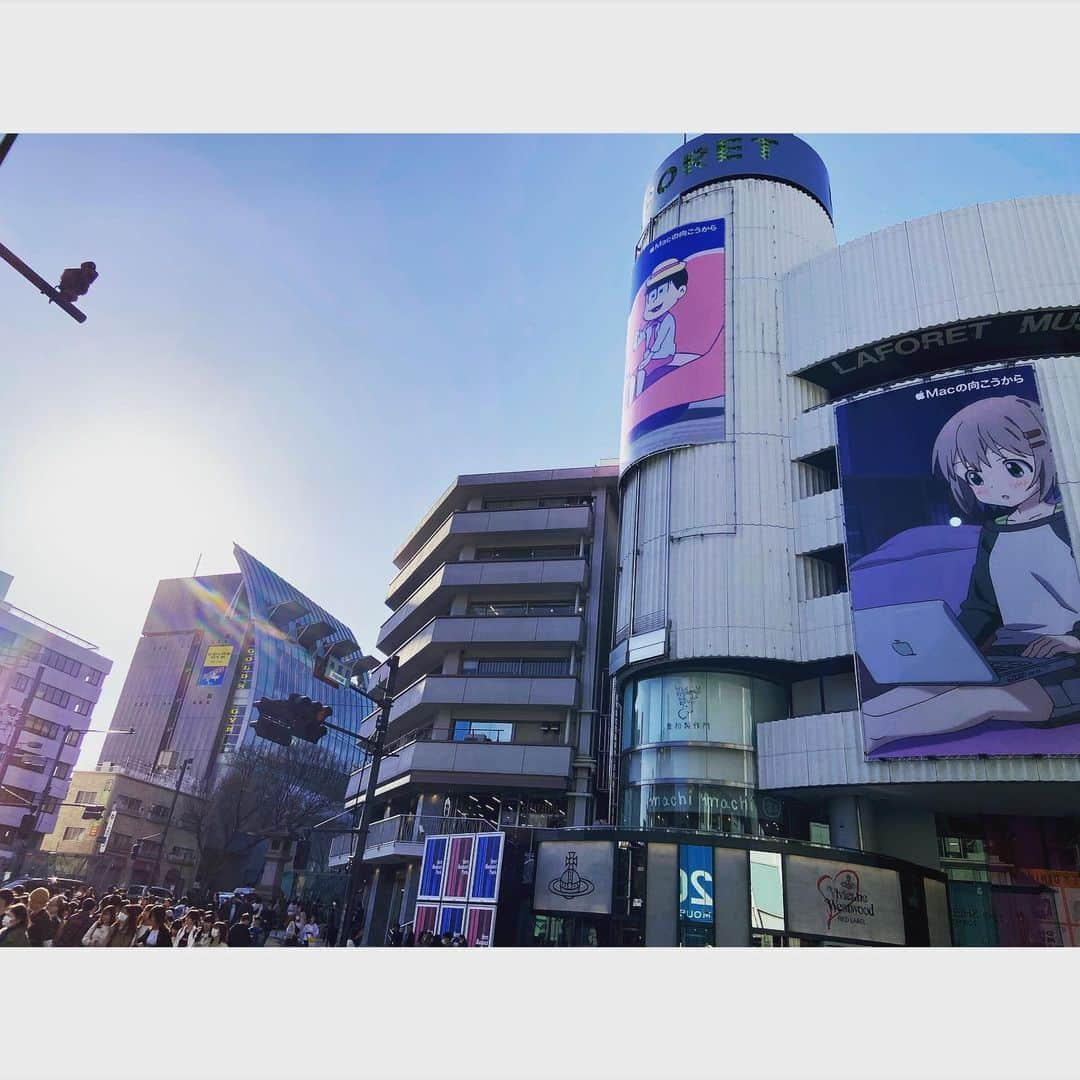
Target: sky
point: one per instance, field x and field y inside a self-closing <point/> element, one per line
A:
<point x="297" y="342"/>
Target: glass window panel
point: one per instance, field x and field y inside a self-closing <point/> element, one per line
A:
<point x="685" y="715"/>
<point x="729" y="704"/>
<point x="766" y="891"/>
<point x="482" y="731"/>
<point x="839" y="692"/>
<point x="648" y="710"/>
<point x="626" y="735"/>
<point x="769" y="702"/>
<point x="806" y="697"/>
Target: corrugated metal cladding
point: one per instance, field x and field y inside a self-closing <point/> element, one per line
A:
<point x="707" y="539"/>
<point x="981" y="260"/>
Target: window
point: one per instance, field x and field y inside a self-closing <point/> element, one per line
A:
<point x="81" y="705"/>
<point x="482" y="731"/>
<point x="92" y="676"/>
<point x="822" y="574"/>
<point x="86" y="798"/>
<point x="15" y="796"/>
<point x="62" y="771"/>
<point x="20" y="683"/>
<point x="73" y="738"/>
<point x="50" y="804"/>
<point x="158" y="811"/>
<point x="60" y="662"/>
<point x="521" y="607"/>
<point x="552" y="551"/>
<point x="54" y="695"/>
<point x="516" y="666"/>
<point x="29" y="762"/>
<point x="125" y="802"/>
<point x="820" y="833"/>
<point x="42" y="727"/>
<point x="183" y="852"/>
<point x="73" y="833"/>
<point x="549" y="502"/>
<point x="824" y="694"/>
<point x="118" y="840"/>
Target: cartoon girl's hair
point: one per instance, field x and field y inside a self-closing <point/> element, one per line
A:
<point x="1006" y="425"/>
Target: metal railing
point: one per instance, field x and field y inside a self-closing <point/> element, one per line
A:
<point x="408" y="829"/>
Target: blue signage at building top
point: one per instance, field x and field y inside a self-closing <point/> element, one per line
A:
<point x="709" y="158"/>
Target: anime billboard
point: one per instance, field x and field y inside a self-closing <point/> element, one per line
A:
<point x="674" y="377"/>
<point x="964" y="587"/>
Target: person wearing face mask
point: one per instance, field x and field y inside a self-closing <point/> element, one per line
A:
<point x="100" y="934"/>
<point x="16" y="922"/>
<point x="73" y="930"/>
<point x="124" y="934"/>
<point x="217" y="936"/>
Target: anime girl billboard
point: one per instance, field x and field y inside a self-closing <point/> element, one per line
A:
<point x="964" y="586"/>
<point x="674" y="378"/>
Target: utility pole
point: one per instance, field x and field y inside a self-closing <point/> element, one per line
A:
<point x="356" y="864"/>
<point x="168" y="820"/>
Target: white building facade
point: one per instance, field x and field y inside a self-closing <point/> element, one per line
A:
<point x="767" y="562"/>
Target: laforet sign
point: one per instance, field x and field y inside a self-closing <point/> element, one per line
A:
<point x="1022" y="335"/>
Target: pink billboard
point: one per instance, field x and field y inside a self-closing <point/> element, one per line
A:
<point x="674" y="390"/>
<point x="458" y="865"/>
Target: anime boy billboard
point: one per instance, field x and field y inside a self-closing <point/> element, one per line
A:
<point x="674" y="378"/>
<point x="964" y="585"/>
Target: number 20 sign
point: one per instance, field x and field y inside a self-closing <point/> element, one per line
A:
<point x="695" y="884"/>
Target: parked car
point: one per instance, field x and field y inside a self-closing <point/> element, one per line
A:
<point x="53" y="884"/>
<point x="136" y="892"/>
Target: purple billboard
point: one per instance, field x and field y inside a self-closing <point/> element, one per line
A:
<point x="964" y="587"/>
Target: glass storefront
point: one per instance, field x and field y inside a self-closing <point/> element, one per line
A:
<point x="705" y="706"/>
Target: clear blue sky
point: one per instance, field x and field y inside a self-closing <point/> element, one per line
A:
<point x="297" y="342"/>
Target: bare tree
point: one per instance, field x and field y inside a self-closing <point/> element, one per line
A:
<point x="261" y="792"/>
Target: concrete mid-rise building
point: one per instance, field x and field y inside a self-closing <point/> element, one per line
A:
<point x="501" y="616"/>
<point x="50" y="681"/>
<point x="147" y="833"/>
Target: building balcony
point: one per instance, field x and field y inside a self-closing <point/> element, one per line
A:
<point x="467" y="766"/>
<point x="499" y="578"/>
<point x="419" y="703"/>
<point x="398" y="838"/>
<point x="445" y="634"/>
<point x="550" y="526"/>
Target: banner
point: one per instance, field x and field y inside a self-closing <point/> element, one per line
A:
<point x="215" y="665"/>
<point x="965" y="591"/>
<point x="432" y="868"/>
<point x="487" y="866"/>
<point x="574" y="876"/>
<point x="480" y="926"/>
<point x="696" y="884"/>
<point x="674" y="392"/>
<point x="451" y="918"/>
<point x="833" y="899"/>
<point x="458" y="865"/>
<point x="425" y="918"/>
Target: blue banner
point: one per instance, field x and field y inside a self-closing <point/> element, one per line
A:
<point x="486" y="866"/>
<point x="696" y="884"/>
<point x="451" y="918"/>
<point x="433" y="868"/>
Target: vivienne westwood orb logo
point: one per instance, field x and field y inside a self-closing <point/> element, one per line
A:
<point x="570" y="885"/>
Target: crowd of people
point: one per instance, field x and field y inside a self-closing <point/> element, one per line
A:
<point x="80" y="918"/>
<point x="403" y="936"/>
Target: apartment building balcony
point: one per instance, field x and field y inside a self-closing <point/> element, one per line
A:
<point x="542" y="525"/>
<point x="497" y="579"/>
<point x="445" y="634"/>
<point x="402" y="837"/>
<point x="532" y="688"/>
<point x="451" y="766"/>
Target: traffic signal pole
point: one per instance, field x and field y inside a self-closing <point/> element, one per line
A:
<point x="168" y="820"/>
<point x="356" y="864"/>
<point x="42" y="285"/>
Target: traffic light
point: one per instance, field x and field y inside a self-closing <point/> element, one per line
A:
<point x="273" y="722"/>
<point x="27" y="825"/>
<point x="93" y="813"/>
<point x="76" y="281"/>
<point x="308" y="718"/>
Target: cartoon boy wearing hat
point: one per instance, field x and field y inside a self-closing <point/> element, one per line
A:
<point x="664" y="288"/>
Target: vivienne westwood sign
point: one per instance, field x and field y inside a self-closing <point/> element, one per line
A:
<point x="842" y="900"/>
